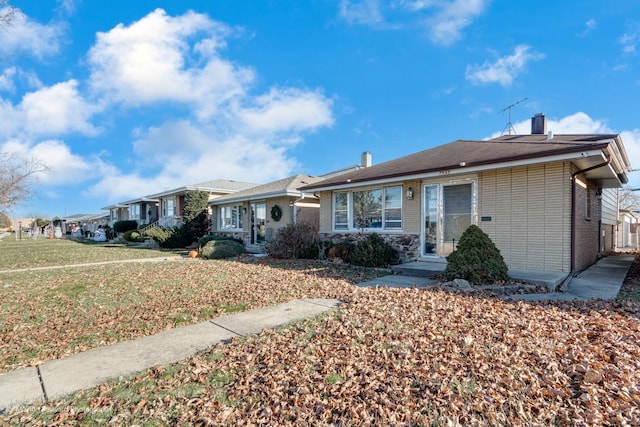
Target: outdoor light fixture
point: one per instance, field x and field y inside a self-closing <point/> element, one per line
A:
<point x="409" y="193"/>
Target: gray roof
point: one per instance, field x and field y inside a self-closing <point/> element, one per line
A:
<point x="461" y="155"/>
<point x="282" y="187"/>
<point x="224" y="186"/>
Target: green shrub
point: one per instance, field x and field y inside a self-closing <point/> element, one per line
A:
<point x="339" y="252"/>
<point x="124" y="226"/>
<point x="476" y="259"/>
<point x="159" y="234"/>
<point x="206" y="239"/>
<point x="294" y="241"/>
<point x="133" y="236"/>
<point x="180" y="238"/>
<point x="373" y="251"/>
<point x="219" y="249"/>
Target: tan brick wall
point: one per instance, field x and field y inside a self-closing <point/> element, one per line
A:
<point x="529" y="208"/>
<point x="411" y="209"/>
<point x="587" y="228"/>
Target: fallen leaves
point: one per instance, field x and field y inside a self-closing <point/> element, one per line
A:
<point x="399" y="357"/>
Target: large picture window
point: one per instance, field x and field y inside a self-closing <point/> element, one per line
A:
<point x="375" y="209"/>
<point x="230" y="217"/>
<point x="134" y="211"/>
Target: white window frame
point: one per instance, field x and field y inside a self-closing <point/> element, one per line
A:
<point x="166" y="212"/>
<point x="225" y="212"/>
<point x="349" y="226"/>
<point x="134" y="211"/>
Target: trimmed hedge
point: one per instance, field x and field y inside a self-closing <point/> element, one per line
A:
<point x="476" y="259"/>
<point x="133" y="236"/>
<point x="206" y="239"/>
<point x="124" y="226"/>
<point x="219" y="249"/>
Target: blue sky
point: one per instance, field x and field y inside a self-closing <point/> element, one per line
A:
<point x="127" y="98"/>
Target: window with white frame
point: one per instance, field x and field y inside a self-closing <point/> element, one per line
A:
<point x="379" y="208"/>
<point x="168" y="207"/>
<point x="341" y="211"/>
<point x="134" y="211"/>
<point x="230" y="217"/>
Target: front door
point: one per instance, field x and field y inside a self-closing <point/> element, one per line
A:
<point x="448" y="211"/>
<point x="258" y="222"/>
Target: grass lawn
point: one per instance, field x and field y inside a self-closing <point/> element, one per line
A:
<point x="385" y="357"/>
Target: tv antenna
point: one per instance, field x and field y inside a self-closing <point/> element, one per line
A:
<point x="509" y="127"/>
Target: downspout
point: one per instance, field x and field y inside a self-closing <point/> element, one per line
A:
<point x="294" y="213"/>
<point x="564" y="286"/>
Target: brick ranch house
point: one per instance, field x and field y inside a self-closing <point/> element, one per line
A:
<point x="549" y="202"/>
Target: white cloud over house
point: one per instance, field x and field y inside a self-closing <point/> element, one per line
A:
<point x="504" y="69"/>
<point x="443" y="20"/>
<point x="25" y="36"/>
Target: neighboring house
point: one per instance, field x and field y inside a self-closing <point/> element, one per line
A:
<point x="539" y="197"/>
<point x="256" y="214"/>
<point x="144" y="210"/>
<point x="88" y="223"/>
<point x="171" y="202"/>
<point x="628" y="230"/>
<point x="117" y="212"/>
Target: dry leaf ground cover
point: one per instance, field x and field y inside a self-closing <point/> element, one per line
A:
<point x="393" y="357"/>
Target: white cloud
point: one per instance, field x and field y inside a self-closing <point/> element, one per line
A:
<point x="6" y="79"/>
<point x="56" y="110"/>
<point x="64" y="167"/>
<point x="447" y="24"/>
<point x="445" y="20"/>
<point x="287" y="110"/>
<point x="365" y="12"/>
<point x="589" y="26"/>
<point x="151" y="60"/>
<point x="26" y="36"/>
<point x="504" y="69"/>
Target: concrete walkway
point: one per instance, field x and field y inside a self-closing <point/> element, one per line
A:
<point x="57" y="378"/>
<point x="601" y="280"/>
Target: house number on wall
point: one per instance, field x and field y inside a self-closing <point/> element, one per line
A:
<point x="444" y="172"/>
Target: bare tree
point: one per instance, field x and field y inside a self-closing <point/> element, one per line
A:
<point x="629" y="200"/>
<point x="7" y="13"/>
<point x="17" y="178"/>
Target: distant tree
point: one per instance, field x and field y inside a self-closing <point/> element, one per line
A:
<point x="17" y="178"/>
<point x="629" y="200"/>
<point x="194" y="214"/>
<point x="5" y="221"/>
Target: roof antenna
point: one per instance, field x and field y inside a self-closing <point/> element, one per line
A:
<point x="509" y="127"/>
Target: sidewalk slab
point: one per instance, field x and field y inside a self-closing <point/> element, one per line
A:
<point x="19" y="387"/>
<point x="93" y="367"/>
<point x="254" y="321"/>
<point x="61" y="377"/>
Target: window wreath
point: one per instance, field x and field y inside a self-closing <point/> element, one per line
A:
<point x="276" y="213"/>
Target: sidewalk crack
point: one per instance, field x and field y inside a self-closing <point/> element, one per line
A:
<point x="44" y="391"/>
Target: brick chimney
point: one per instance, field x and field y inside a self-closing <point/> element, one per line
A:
<point x="539" y="124"/>
<point x="366" y="159"/>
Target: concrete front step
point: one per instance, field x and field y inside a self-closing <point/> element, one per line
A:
<point x="420" y="268"/>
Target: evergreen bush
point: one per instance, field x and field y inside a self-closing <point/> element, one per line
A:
<point x="133" y="236"/>
<point x="206" y="239"/>
<point x="339" y="252"/>
<point x="373" y="251"/>
<point x="219" y="249"/>
<point x="125" y="225"/>
<point x="476" y="259"/>
<point x="159" y="234"/>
